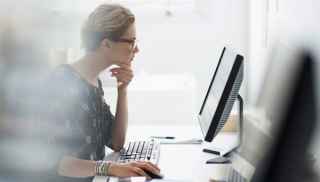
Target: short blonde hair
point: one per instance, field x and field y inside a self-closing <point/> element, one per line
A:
<point x="109" y="21"/>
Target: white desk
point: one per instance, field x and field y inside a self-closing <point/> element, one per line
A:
<point x="184" y="162"/>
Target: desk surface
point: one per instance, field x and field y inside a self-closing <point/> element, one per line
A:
<point x="184" y="162"/>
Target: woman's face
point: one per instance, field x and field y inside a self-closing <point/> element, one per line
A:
<point x="124" y="50"/>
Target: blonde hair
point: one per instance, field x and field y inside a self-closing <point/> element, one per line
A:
<point x="107" y="21"/>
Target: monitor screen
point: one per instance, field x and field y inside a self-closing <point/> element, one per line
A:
<point x="221" y="93"/>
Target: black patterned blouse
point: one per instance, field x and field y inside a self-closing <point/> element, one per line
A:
<point x="81" y="119"/>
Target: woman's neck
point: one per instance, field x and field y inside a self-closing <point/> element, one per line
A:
<point x="89" y="67"/>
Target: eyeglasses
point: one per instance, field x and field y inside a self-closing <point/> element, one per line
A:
<point x="132" y="42"/>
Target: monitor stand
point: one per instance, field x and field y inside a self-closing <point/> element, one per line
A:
<point x="224" y="157"/>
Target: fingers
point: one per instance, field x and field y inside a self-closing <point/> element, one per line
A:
<point x="147" y="166"/>
<point x="122" y="70"/>
<point x="123" y="75"/>
<point x="155" y="166"/>
<point x="127" y="170"/>
<point x="124" y="65"/>
<point x="150" y="166"/>
<point x="136" y="168"/>
<point x="123" y="78"/>
<point x="139" y="172"/>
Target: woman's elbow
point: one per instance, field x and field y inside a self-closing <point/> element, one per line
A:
<point x="117" y="147"/>
<point x="62" y="169"/>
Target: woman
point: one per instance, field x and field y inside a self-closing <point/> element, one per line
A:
<point x="83" y="121"/>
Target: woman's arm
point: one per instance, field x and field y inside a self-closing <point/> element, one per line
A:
<point x="121" y="120"/>
<point x="74" y="167"/>
<point x="124" y="75"/>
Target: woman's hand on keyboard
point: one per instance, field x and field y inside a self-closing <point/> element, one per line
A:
<point x="135" y="168"/>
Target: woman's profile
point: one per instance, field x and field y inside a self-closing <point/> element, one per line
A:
<point x="82" y="121"/>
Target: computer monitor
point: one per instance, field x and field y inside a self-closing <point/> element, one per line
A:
<point x="221" y="94"/>
<point x="291" y="107"/>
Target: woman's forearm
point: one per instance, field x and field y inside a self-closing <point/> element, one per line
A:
<point x="121" y="123"/>
<point x="74" y="167"/>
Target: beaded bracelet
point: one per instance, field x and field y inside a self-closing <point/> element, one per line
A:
<point x="102" y="168"/>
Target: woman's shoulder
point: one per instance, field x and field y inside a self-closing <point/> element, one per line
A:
<point x="63" y="72"/>
<point x="66" y="81"/>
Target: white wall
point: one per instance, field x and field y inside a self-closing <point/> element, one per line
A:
<point x="181" y="49"/>
<point x="187" y="43"/>
<point x="293" y="23"/>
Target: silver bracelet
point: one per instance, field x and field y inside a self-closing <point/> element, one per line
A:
<point x="107" y="166"/>
<point x="97" y="168"/>
<point x="102" y="168"/>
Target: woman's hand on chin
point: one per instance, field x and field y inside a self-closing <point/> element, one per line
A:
<point x="123" y="74"/>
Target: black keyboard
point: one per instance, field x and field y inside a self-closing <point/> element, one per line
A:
<point x="141" y="150"/>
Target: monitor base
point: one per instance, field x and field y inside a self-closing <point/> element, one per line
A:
<point x="215" y="151"/>
<point x="224" y="154"/>
<point x="219" y="160"/>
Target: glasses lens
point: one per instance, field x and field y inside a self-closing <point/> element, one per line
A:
<point x="132" y="43"/>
